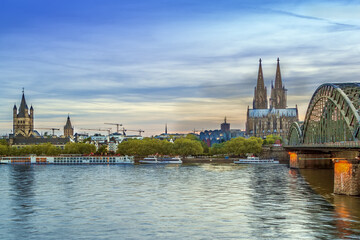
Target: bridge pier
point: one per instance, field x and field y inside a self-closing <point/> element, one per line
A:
<point x="310" y="160"/>
<point x="347" y="173"/>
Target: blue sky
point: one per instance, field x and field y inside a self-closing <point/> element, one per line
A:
<point x="188" y="63"/>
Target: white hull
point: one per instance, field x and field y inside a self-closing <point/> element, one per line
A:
<point x="154" y="160"/>
<point x="256" y="160"/>
<point x="68" y="160"/>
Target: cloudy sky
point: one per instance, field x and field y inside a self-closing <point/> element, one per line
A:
<point x="189" y="63"/>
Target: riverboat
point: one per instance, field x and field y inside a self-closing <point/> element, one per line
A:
<point x="255" y="160"/>
<point x="161" y="160"/>
<point x="67" y="160"/>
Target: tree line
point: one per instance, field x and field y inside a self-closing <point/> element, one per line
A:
<point x="190" y="145"/>
<point x="46" y="149"/>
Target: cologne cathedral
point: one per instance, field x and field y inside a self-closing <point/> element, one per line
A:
<point x="261" y="120"/>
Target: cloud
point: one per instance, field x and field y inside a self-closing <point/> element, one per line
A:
<point x="182" y="62"/>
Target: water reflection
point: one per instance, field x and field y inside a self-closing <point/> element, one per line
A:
<point x="221" y="167"/>
<point x="183" y="202"/>
<point x="22" y="195"/>
<point x="346" y="208"/>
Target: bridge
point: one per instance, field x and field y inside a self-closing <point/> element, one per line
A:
<point x="329" y="137"/>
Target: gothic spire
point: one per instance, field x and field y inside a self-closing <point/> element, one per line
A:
<point x="23" y="109"/>
<point x="260" y="81"/>
<point x="260" y="95"/>
<point x="68" y="122"/>
<point x="278" y="81"/>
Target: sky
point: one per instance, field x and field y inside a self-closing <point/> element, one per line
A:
<point x="145" y="63"/>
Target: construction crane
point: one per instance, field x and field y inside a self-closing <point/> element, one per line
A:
<point x="98" y="129"/>
<point x="124" y="131"/>
<point x="117" y="125"/>
<point x="140" y="131"/>
<point x="53" y="130"/>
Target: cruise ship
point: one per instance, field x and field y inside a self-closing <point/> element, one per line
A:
<point x="255" y="160"/>
<point x="67" y="160"/>
<point x="161" y="160"/>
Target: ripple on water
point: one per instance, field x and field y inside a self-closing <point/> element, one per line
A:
<point x="158" y="202"/>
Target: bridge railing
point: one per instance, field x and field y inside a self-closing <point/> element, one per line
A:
<point x="343" y="144"/>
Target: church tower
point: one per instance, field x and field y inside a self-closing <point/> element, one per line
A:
<point x="225" y="127"/>
<point x="68" y="129"/>
<point x="260" y="96"/>
<point x="278" y="93"/>
<point x="23" y="121"/>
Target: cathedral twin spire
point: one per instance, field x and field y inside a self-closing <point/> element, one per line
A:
<point x="278" y="94"/>
<point x="260" y="95"/>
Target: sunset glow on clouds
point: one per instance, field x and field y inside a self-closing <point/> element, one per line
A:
<point x="187" y="63"/>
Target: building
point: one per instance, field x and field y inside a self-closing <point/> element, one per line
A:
<point x="218" y="136"/>
<point x="68" y="128"/>
<point x="170" y="136"/>
<point x="23" y="121"/>
<point x="23" y="129"/>
<point x="261" y="120"/>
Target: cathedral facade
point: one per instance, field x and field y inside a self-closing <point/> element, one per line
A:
<point x="23" y="120"/>
<point x="261" y="120"/>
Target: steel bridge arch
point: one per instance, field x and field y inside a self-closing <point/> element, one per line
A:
<point x="333" y="114"/>
<point x="295" y="135"/>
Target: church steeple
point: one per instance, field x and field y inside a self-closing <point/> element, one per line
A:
<point x="68" y="128"/>
<point x="23" y="109"/>
<point x="260" y="95"/>
<point x="278" y="93"/>
<point x="23" y="122"/>
<point x="278" y="81"/>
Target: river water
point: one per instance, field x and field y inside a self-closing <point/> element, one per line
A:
<point x="173" y="202"/>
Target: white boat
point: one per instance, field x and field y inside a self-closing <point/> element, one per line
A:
<point x="66" y="160"/>
<point x="161" y="160"/>
<point x="255" y="160"/>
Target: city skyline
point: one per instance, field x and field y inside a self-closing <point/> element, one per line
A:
<point x="187" y="64"/>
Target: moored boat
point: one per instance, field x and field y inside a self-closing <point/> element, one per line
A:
<point x="66" y="160"/>
<point x="161" y="160"/>
<point x="255" y="160"/>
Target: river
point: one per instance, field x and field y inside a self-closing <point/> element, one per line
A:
<point x="173" y="202"/>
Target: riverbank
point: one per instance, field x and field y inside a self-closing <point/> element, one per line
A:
<point x="214" y="160"/>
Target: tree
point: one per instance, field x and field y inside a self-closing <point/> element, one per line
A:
<point x="4" y="142"/>
<point x="185" y="147"/>
<point x="192" y="137"/>
<point x="79" y="148"/>
<point x="4" y="150"/>
<point x="102" y="150"/>
<point x="271" y="139"/>
<point x="217" y="148"/>
<point x="166" y="148"/>
<point x="241" y="146"/>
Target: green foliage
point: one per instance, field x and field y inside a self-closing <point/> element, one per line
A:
<point x="4" y="150"/>
<point x="79" y="148"/>
<point x="205" y="147"/>
<point x="186" y="147"/>
<point x="166" y="148"/>
<point x="145" y="147"/>
<point x="217" y="149"/>
<point x="192" y="137"/>
<point x="41" y="149"/>
<point x="3" y="142"/>
<point x="102" y="150"/>
<point x="129" y="147"/>
<point x="270" y="139"/>
<point x="238" y="146"/>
